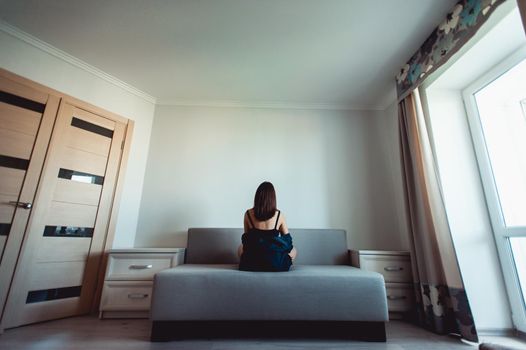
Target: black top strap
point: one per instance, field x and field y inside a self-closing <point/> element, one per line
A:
<point x="277" y="220"/>
<point x="250" y="219"/>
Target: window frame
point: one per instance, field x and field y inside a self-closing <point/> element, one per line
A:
<point x="501" y="233"/>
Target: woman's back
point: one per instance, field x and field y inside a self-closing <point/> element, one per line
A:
<point x="265" y="248"/>
<point x="274" y="223"/>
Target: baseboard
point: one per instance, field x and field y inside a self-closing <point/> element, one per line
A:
<point x="497" y="332"/>
<point x="521" y="335"/>
<point x="124" y="314"/>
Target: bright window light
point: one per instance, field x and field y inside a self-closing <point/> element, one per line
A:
<point x="503" y="119"/>
<point x="502" y="110"/>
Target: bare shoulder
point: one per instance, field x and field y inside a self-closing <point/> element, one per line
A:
<point x="247" y="215"/>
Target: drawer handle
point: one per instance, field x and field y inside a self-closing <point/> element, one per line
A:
<point x="393" y="268"/>
<point x="396" y="297"/>
<point x="140" y="267"/>
<point x="137" y="296"/>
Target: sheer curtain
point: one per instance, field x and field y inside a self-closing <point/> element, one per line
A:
<point x="442" y="304"/>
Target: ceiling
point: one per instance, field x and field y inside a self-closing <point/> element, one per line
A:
<point x="312" y="53"/>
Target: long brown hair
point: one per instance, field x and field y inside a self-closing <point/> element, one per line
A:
<point x="265" y="201"/>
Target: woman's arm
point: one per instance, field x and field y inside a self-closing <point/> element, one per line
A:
<point x="282" y="225"/>
<point x="246" y="225"/>
<point x="283" y="228"/>
<point x="245" y="228"/>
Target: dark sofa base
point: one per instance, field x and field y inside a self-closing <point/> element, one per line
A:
<point x="178" y="330"/>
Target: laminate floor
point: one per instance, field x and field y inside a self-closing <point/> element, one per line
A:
<point x="88" y="332"/>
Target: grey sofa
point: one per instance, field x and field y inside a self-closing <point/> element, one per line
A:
<point x="320" y="296"/>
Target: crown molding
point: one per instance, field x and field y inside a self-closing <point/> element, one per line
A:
<point x="265" y="105"/>
<point x="64" y="56"/>
<point x="28" y="38"/>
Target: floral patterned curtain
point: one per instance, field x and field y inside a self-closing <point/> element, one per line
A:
<point x="442" y="303"/>
<point x="458" y="27"/>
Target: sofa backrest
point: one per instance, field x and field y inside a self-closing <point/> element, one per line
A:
<point x="219" y="246"/>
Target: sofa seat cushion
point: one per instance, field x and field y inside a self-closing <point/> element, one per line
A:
<point x="306" y="292"/>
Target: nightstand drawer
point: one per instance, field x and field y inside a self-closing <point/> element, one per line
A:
<point x="126" y="296"/>
<point x="129" y="276"/>
<point x="393" y="268"/>
<point x="400" y="297"/>
<point x="137" y="266"/>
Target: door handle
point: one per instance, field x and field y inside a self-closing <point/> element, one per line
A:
<point x="24" y="205"/>
<point x="396" y="297"/>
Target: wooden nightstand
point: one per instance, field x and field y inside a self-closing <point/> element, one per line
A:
<point x="128" y="281"/>
<point x="395" y="266"/>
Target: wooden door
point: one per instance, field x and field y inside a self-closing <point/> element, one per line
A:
<point x="57" y="271"/>
<point x="26" y="120"/>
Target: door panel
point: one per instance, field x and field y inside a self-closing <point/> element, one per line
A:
<point x="26" y="120"/>
<point x="12" y="180"/>
<point x="14" y="91"/>
<point x="4" y="228"/>
<point x="7" y="210"/>
<point x="82" y="161"/>
<point x="72" y="249"/>
<point x="16" y="144"/>
<point x="83" y="118"/>
<point x="88" y="141"/>
<point x="18" y="119"/>
<point x="77" y="192"/>
<point x="50" y="275"/>
<point x="60" y="260"/>
<point x="70" y="214"/>
<point x="57" y="303"/>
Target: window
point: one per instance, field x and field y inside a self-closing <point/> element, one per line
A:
<point x="496" y="111"/>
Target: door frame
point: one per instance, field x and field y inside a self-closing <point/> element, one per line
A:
<point x="120" y="177"/>
<point x="500" y="233"/>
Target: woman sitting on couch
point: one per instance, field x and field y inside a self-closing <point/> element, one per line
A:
<point x="266" y="243"/>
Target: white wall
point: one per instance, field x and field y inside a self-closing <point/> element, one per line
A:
<point x="327" y="166"/>
<point x="386" y="126"/>
<point x="33" y="63"/>
<point x="466" y="210"/>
